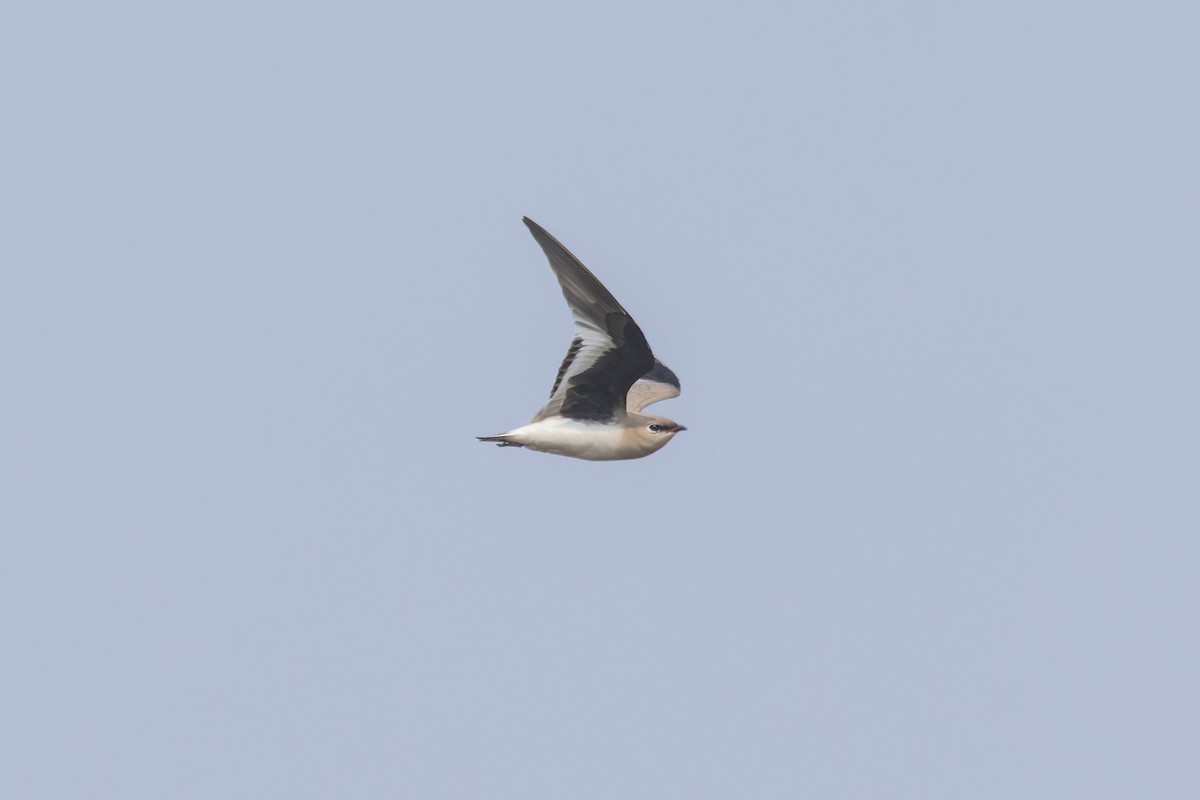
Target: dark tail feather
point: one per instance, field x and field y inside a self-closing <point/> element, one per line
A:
<point x="499" y="440"/>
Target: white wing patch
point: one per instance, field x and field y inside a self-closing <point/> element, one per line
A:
<point x="587" y="346"/>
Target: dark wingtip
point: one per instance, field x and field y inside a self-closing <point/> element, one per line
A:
<point x="538" y="231"/>
<point x="663" y="374"/>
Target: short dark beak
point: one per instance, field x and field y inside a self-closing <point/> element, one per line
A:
<point x="679" y="428"/>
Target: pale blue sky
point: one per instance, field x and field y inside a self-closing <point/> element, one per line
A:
<point x="929" y="274"/>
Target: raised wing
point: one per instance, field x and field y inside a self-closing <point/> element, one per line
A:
<point x="659" y="383"/>
<point x="609" y="352"/>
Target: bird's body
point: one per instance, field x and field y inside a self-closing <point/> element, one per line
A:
<point x="595" y="441"/>
<point x="608" y="376"/>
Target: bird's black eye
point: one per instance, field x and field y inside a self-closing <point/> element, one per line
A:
<point x="656" y="428"/>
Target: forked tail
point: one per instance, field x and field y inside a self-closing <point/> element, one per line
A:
<point x="499" y="440"/>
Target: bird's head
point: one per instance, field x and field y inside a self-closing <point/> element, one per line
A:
<point x="654" y="432"/>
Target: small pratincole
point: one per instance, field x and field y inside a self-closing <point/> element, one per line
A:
<point x="607" y="378"/>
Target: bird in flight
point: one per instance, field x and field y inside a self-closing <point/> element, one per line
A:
<point x="608" y="377"/>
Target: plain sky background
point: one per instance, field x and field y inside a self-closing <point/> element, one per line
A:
<point x="929" y="273"/>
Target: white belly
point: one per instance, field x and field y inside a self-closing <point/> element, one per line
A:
<point x="594" y="441"/>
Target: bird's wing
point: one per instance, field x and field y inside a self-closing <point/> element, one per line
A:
<point x="609" y="352"/>
<point x="659" y="383"/>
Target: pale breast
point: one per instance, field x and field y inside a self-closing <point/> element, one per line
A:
<point x="594" y="441"/>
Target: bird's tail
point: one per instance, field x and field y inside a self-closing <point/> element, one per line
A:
<point x="501" y="440"/>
